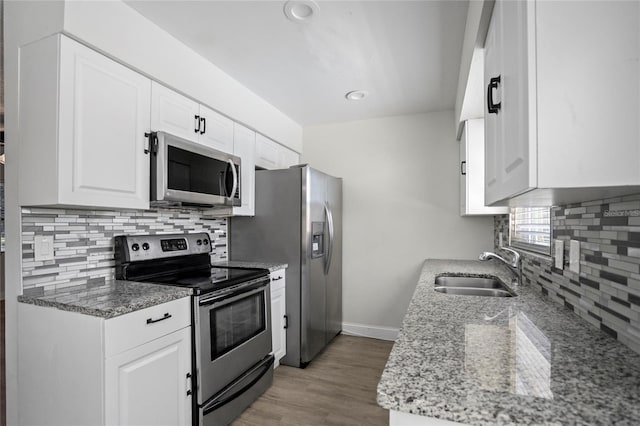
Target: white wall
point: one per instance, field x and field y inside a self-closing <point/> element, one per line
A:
<point x="23" y="22"/>
<point x="401" y="206"/>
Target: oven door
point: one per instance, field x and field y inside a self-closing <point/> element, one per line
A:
<point x="186" y="172"/>
<point x="234" y="335"/>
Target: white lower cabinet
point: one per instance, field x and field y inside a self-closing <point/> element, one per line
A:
<point x="78" y="369"/>
<point x="278" y="315"/>
<point x="148" y="385"/>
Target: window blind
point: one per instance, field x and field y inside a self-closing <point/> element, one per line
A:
<point x="530" y="228"/>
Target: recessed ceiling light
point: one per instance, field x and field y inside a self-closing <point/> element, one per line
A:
<point x="300" y="10"/>
<point x="356" y="95"/>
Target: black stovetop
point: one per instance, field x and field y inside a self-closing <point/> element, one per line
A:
<point x="209" y="281"/>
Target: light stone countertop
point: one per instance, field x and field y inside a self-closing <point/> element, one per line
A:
<point x="518" y="360"/>
<point x="118" y="297"/>
<point x="106" y="300"/>
<point x="271" y="266"/>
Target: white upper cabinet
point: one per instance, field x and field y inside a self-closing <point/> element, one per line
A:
<point x="472" y="171"/>
<point x="562" y="101"/>
<point x="174" y="113"/>
<point x="216" y="130"/>
<point x="272" y="155"/>
<point x="83" y="119"/>
<point x="288" y="158"/>
<point x="507" y="138"/>
<point x="267" y="153"/>
<point x="244" y="143"/>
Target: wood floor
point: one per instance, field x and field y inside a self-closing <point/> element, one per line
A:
<point x="3" y="398"/>
<point x="337" y="388"/>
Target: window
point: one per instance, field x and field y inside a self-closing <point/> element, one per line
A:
<point x="530" y="229"/>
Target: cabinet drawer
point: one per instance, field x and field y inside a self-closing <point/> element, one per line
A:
<point x="277" y="279"/>
<point x="136" y="328"/>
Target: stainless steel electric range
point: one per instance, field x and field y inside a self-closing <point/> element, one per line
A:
<point x="231" y="318"/>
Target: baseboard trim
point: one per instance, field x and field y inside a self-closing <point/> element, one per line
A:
<point x="373" y="331"/>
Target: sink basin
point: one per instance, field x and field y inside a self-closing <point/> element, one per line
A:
<point x="472" y="286"/>
<point x="475" y="282"/>
<point x="470" y="291"/>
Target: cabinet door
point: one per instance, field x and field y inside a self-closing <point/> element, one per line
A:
<point x="492" y="66"/>
<point x="148" y="385"/>
<point x="104" y="114"/>
<point x="267" y="153"/>
<point x="173" y="113"/>
<point x="463" y="172"/>
<point x="514" y="116"/>
<point x="510" y="169"/>
<point x="244" y="146"/>
<point x="288" y="158"/>
<point x="278" y="314"/>
<point x="472" y="153"/>
<point x="216" y="130"/>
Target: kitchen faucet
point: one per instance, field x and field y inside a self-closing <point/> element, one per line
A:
<point x="515" y="265"/>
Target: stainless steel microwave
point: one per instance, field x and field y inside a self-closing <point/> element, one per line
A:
<point x="188" y="173"/>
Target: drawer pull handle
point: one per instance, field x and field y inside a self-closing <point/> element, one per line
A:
<point x="166" y="316"/>
<point x="277" y="278"/>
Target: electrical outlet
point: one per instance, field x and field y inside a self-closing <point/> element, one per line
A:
<point x="43" y="247"/>
<point x="574" y="256"/>
<point x="559" y="250"/>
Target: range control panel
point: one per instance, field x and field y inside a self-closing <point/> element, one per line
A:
<point x="132" y="248"/>
<point x="174" y="244"/>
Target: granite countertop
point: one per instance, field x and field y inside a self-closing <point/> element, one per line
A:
<point x="513" y="360"/>
<point x="271" y="266"/>
<point x="107" y="300"/>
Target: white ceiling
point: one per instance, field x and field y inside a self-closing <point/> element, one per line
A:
<point x="406" y="54"/>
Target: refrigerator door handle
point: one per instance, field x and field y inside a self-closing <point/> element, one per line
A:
<point x="329" y="215"/>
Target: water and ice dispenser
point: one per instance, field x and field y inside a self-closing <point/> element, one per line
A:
<point x="317" y="239"/>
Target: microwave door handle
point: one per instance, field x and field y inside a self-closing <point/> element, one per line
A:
<point x="329" y="216"/>
<point x="235" y="180"/>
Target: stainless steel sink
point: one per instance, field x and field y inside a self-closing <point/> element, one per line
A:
<point x="472" y="286"/>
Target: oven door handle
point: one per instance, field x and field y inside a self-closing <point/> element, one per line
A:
<point x="230" y="393"/>
<point x="240" y="293"/>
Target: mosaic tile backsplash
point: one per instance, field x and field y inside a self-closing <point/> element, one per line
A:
<point x="606" y="292"/>
<point x="83" y="241"/>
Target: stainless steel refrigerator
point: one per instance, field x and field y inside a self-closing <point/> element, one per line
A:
<point x="298" y="220"/>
